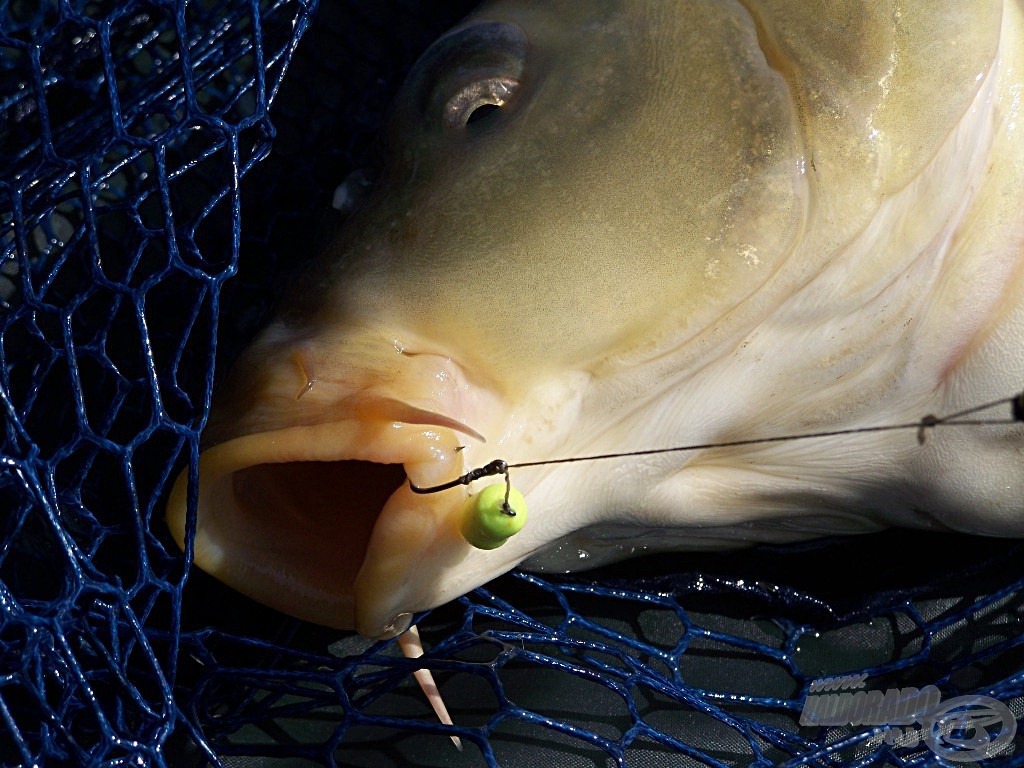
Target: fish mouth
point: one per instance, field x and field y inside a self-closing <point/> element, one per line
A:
<point x="296" y="506"/>
<point x="290" y="517"/>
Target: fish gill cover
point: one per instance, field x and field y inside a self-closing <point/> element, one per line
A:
<point x="151" y="150"/>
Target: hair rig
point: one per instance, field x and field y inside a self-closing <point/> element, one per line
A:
<point x="493" y="516"/>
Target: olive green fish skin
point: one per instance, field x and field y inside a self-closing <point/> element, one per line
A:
<point x="680" y="224"/>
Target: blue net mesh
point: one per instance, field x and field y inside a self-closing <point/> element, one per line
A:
<point x="143" y="168"/>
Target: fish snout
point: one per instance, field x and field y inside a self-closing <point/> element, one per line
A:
<point x="304" y="502"/>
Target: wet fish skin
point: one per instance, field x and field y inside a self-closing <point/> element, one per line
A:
<point x="746" y="219"/>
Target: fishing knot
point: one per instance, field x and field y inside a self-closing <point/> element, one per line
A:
<point x="931" y="420"/>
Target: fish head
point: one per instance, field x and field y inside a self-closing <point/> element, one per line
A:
<point x="586" y="215"/>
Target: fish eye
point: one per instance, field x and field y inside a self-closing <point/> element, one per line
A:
<point x="478" y="100"/>
<point x="470" y="74"/>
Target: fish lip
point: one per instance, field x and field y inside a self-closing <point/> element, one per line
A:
<point x="418" y="559"/>
<point x="246" y="543"/>
<point x="407" y="413"/>
<point x="415" y="537"/>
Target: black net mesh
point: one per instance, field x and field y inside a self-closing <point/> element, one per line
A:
<point x="143" y="167"/>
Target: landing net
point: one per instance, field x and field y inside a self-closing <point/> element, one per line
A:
<point x="164" y="167"/>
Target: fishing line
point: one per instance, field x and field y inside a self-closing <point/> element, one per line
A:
<point x="958" y="419"/>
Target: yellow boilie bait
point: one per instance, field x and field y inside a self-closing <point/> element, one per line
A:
<point x="488" y="520"/>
